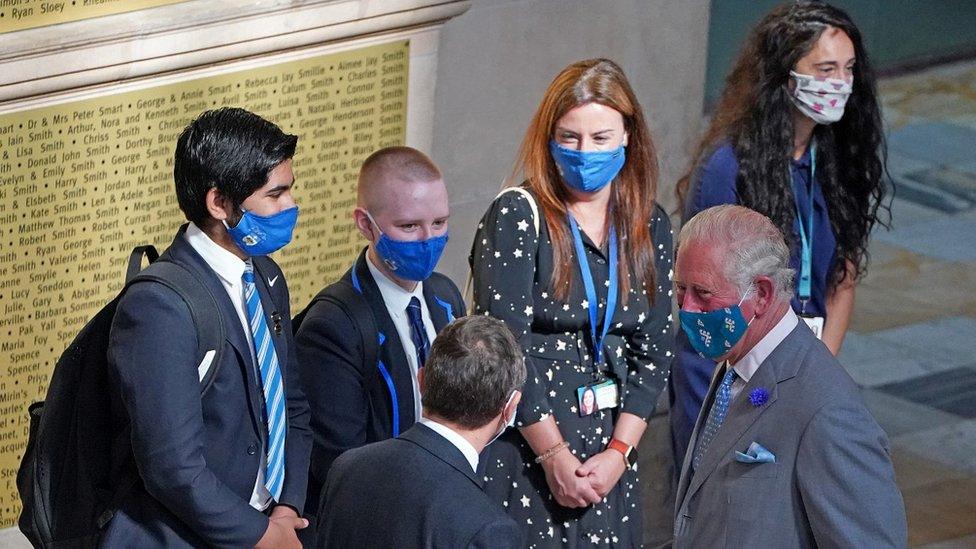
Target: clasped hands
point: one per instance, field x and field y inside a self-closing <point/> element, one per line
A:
<point x="580" y="484"/>
<point x="283" y="523"/>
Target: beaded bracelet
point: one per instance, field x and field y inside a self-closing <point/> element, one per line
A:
<point x="551" y="451"/>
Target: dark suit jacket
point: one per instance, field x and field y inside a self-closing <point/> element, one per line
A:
<point x="198" y="458"/>
<point x="351" y="401"/>
<point x="832" y="484"/>
<point x="414" y="491"/>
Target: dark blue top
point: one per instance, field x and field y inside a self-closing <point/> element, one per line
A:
<point x="713" y="185"/>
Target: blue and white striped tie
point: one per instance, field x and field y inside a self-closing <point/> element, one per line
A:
<point x="274" y="391"/>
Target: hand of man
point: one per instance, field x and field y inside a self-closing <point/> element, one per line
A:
<point x="603" y="470"/>
<point x="281" y="529"/>
<point x="569" y="489"/>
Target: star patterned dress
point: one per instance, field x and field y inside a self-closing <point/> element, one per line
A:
<point x="512" y="265"/>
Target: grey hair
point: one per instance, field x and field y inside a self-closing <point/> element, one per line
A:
<point x="474" y="365"/>
<point x="752" y="245"/>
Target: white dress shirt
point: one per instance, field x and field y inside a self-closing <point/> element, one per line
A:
<point x="454" y="438"/>
<point x="230" y="269"/>
<point x="396" y="300"/>
<point x="747" y="365"/>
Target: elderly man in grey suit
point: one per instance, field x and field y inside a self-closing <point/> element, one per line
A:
<point x="784" y="452"/>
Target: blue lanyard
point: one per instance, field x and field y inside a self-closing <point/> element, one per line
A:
<point x="591" y="298"/>
<point x="806" y="236"/>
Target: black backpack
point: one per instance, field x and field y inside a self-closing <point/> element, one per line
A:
<point x="67" y="485"/>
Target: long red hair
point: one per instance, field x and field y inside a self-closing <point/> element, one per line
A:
<point x="634" y="190"/>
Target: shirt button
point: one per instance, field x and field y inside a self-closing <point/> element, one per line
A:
<point x="252" y="449"/>
<point x="601" y="261"/>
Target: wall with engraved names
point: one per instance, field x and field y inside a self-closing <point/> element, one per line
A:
<point x="84" y="182"/>
<point x="27" y="14"/>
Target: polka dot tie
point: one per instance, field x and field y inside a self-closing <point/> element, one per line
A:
<point x="720" y="407"/>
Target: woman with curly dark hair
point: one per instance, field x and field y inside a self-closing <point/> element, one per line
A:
<point x="798" y="137"/>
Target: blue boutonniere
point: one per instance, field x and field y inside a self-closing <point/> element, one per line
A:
<point x="758" y="396"/>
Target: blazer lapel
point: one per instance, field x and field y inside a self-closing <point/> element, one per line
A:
<point x="686" y="472"/>
<point x="779" y="366"/>
<point x="391" y="351"/>
<point x="441" y="311"/>
<point x="181" y="252"/>
<point x="740" y="417"/>
<point x="273" y="316"/>
<point x="441" y="448"/>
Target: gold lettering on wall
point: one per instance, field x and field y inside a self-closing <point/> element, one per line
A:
<point x="26" y="14"/>
<point x="83" y="183"/>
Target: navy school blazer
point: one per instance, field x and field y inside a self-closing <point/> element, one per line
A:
<point x="414" y="491"/>
<point x="353" y="403"/>
<point x="198" y="457"/>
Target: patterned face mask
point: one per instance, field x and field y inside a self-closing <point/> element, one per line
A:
<point x="714" y="333"/>
<point x="822" y="100"/>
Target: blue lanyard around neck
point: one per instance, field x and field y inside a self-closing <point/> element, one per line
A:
<point x="806" y="235"/>
<point x="591" y="297"/>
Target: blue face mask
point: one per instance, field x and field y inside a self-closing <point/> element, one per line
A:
<point x="263" y="235"/>
<point x="410" y="260"/>
<point x="587" y="171"/>
<point x="714" y="333"/>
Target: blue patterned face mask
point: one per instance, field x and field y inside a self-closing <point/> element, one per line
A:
<point x="263" y="234"/>
<point x="714" y="333"/>
<point x="410" y="260"/>
<point x="588" y="171"/>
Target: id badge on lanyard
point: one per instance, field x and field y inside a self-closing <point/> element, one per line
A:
<point x="803" y="287"/>
<point x="600" y="394"/>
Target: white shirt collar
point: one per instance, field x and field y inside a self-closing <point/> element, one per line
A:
<point x="227" y="265"/>
<point x="747" y="365"/>
<point x="454" y="438"/>
<point x="395" y="297"/>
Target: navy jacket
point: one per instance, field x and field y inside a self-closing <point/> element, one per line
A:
<point x="198" y="458"/>
<point x="416" y="491"/>
<point x="352" y="402"/>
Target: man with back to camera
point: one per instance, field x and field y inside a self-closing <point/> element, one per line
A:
<point x="422" y="490"/>
<point x="784" y="452"/>
<point x="228" y="468"/>
<point x="360" y="350"/>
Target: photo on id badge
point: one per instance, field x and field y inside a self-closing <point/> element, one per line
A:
<point x="596" y="397"/>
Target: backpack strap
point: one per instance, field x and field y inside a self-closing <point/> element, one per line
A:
<point x="135" y="260"/>
<point x="348" y="297"/>
<point x="206" y="319"/>
<point x="468" y="296"/>
<point x="204" y="309"/>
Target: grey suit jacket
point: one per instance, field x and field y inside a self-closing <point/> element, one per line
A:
<point x="832" y="484"/>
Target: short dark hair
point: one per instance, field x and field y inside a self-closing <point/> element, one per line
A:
<point x="230" y="149"/>
<point x="474" y="365"/>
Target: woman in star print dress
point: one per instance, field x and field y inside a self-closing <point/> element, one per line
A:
<point x="587" y="160"/>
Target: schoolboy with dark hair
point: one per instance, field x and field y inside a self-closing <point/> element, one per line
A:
<point x="228" y="466"/>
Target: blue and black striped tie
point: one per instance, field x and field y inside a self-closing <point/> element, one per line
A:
<point x="418" y="333"/>
<point x="271" y="384"/>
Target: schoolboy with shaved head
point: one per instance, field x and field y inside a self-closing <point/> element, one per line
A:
<point x="363" y="339"/>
